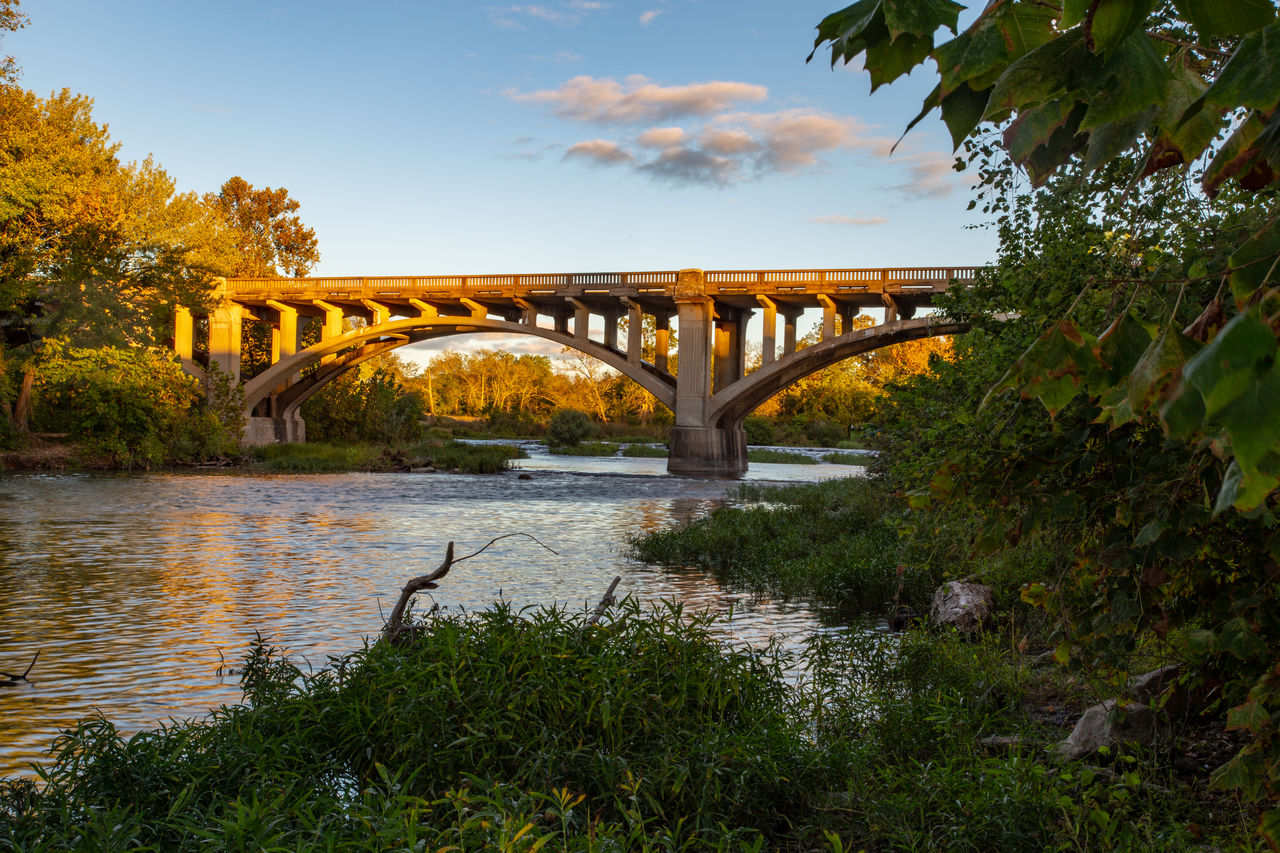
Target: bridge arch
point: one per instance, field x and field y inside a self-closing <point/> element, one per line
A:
<point x="372" y="340"/>
<point x="731" y="405"/>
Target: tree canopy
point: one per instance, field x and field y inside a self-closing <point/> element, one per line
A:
<point x="270" y="238"/>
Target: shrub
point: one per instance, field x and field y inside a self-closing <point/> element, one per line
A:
<point x="568" y="427"/>
<point x="759" y="430"/>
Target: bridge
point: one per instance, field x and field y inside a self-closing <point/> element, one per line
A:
<point x="710" y="393"/>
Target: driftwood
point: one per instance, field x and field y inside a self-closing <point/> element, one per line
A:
<point x="605" y="603"/>
<point x="11" y="680"/>
<point x="395" y="622"/>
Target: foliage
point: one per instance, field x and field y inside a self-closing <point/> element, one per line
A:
<point x="12" y="20"/>
<point x="1157" y="455"/>
<point x="321" y="457"/>
<point x="365" y="405"/>
<point x="787" y="457"/>
<point x="844" y="458"/>
<point x="269" y="236"/>
<point x="585" y="448"/>
<point x="135" y="407"/>
<point x="645" y="450"/>
<point x="470" y="458"/>
<point x="642" y="731"/>
<point x="568" y="427"/>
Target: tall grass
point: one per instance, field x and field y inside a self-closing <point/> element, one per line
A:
<point x="320" y="457"/>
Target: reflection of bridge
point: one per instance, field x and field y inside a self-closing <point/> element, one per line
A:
<point x="710" y="393"/>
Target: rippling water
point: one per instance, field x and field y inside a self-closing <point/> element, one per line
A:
<point x="136" y="588"/>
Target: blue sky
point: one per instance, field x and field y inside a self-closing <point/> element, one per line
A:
<point x="563" y="135"/>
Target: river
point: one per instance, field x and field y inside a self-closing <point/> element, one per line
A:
<point x="137" y="589"/>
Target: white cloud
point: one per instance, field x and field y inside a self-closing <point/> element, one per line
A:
<point x="661" y="137"/>
<point x="636" y="99"/>
<point x="932" y="174"/>
<point x="646" y="18"/>
<point x="682" y="165"/>
<point x="602" y="152"/>
<point x="567" y="13"/>
<point x="851" y="221"/>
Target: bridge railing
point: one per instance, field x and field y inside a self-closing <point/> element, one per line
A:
<point x="716" y="280"/>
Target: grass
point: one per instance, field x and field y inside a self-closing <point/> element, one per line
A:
<point x="845" y="458"/>
<point x="644" y="450"/>
<point x="527" y="730"/>
<point x="314" y="458"/>
<point x="585" y="448"/>
<point x="767" y="454"/>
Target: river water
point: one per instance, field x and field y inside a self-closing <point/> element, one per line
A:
<point x="136" y="589"/>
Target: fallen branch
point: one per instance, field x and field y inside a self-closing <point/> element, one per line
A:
<point x="395" y="623"/>
<point x="12" y="680"/>
<point x="604" y="604"/>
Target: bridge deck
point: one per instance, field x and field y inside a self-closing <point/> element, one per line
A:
<point x="790" y="288"/>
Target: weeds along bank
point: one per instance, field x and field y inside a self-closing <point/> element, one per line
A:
<point x="526" y="730"/>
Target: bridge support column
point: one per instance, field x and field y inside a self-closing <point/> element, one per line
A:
<point x="662" y="343"/>
<point x="183" y="333"/>
<point x="828" y="316"/>
<point x="224" y="338"/>
<point x="730" y="347"/>
<point x="698" y="449"/>
<point x="635" y="331"/>
<point x="769" y="344"/>
<point x="789" y="332"/>
<point x="333" y="316"/>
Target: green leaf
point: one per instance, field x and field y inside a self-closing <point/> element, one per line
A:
<point x="1253" y="265"/>
<point x="920" y="17"/>
<point x="1135" y="80"/>
<point x="1122" y="345"/>
<point x="1034" y="128"/>
<point x="1041" y="74"/>
<point x="1238" y="156"/>
<point x="1251" y="77"/>
<point x="1238" y="639"/>
<point x="888" y="60"/>
<point x="847" y="30"/>
<point x="962" y="111"/>
<point x="1252" y="420"/>
<point x="1073" y="12"/>
<point x="1227" y="17"/>
<point x="1269" y="827"/>
<point x="1251" y="716"/>
<point x="1241" y="354"/>
<point x="1244" y="773"/>
<point x="1183" y="414"/>
<point x="1114" y="20"/>
<point x="1160" y="364"/>
<point x="1055" y="368"/>
<point x="1185" y="126"/>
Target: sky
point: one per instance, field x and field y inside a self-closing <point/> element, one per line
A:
<point x="442" y="136"/>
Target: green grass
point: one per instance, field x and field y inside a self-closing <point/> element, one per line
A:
<point x="585" y="448"/>
<point x="765" y="454"/>
<point x="644" y="450"/>
<point x="316" y="458"/>
<point x="526" y="730"/>
<point x="846" y="458"/>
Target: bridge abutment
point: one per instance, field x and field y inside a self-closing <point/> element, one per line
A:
<point x="707" y="452"/>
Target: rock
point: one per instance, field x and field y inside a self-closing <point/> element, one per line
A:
<point x="1000" y="743"/>
<point x="1107" y="724"/>
<point x="963" y="606"/>
<point x="525" y="477"/>
<point x="1148" y="687"/>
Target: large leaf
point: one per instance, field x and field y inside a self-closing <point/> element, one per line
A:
<point x="1184" y="131"/>
<point x="1114" y="20"/>
<point x="1251" y="78"/>
<point x="1135" y="79"/>
<point x="1255" y="264"/>
<point x="1003" y="33"/>
<point x="1252" y="420"/>
<point x="888" y="60"/>
<point x="962" y="110"/>
<point x="1241" y="355"/>
<point x="1058" y="366"/>
<point x="1041" y="74"/>
<point x="1240" y="157"/>
<point x="920" y="17"/>
<point x="1159" y="366"/>
<point x="1122" y="345"/>
<point x="1227" y="17"/>
<point x="846" y="30"/>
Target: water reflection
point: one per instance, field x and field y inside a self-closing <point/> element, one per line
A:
<point x="135" y="588"/>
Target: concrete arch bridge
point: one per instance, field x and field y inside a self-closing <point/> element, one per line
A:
<point x="710" y="393"/>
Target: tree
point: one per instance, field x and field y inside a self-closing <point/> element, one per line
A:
<point x="270" y="238"/>
<point x="1155" y="357"/>
<point x="11" y="20"/>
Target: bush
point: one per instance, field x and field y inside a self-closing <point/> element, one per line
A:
<point x="135" y="407"/>
<point x="641" y="733"/>
<point x="759" y="430"/>
<point x="568" y="427"/>
<point x="587" y="448"/>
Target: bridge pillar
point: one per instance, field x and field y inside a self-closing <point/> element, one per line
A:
<point x="183" y="333"/>
<point x="730" y="347"/>
<point x="662" y="343"/>
<point x="333" y="316"/>
<point x="789" y="332"/>
<point x="224" y="338"/>
<point x="635" y="331"/>
<point x="769" y="345"/>
<point x="828" y="316"/>
<point x="698" y="449"/>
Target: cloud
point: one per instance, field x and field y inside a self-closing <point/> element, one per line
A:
<point x="690" y="166"/>
<point x="601" y="152"/>
<point x="932" y="174"/>
<point x="721" y="143"/>
<point x="851" y="221"/>
<point x="646" y="18"/>
<point x="567" y="13"/>
<point x="636" y="99"/>
<point x="661" y="137"/>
